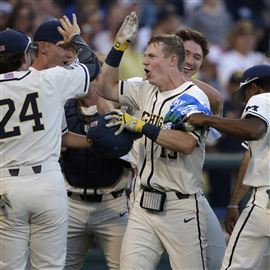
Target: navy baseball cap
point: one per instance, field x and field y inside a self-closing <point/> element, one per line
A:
<point x="250" y="75"/>
<point x="48" y="32"/>
<point x="14" y="41"/>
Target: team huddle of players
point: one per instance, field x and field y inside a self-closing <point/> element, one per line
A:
<point x="67" y="99"/>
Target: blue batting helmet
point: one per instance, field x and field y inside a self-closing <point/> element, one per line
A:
<point x="105" y="143"/>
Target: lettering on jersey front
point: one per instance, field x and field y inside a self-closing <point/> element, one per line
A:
<point x="252" y="108"/>
<point x="157" y="121"/>
<point x="28" y="112"/>
<point x="152" y="119"/>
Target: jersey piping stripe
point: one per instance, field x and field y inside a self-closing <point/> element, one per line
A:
<point x="64" y="130"/>
<point x="241" y="229"/>
<point x="199" y="230"/>
<point x="152" y="143"/>
<point x="86" y="78"/>
<point x="17" y="79"/>
<point x="121" y="88"/>
<point x="145" y="141"/>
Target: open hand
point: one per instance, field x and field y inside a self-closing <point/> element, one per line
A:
<point x="68" y="29"/>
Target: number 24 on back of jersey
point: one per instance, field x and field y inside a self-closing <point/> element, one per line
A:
<point x="28" y="112"/>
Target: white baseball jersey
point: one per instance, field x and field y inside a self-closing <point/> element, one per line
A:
<point x="31" y="109"/>
<point x="160" y="168"/>
<point x="258" y="171"/>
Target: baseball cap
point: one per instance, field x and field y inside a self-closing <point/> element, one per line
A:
<point x="47" y="31"/>
<point x="14" y="41"/>
<point x="250" y="75"/>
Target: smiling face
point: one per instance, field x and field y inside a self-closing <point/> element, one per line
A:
<point x="193" y="58"/>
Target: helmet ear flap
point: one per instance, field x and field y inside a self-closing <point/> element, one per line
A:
<point x="105" y="143"/>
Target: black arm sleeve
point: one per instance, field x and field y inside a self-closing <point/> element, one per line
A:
<point x="86" y="56"/>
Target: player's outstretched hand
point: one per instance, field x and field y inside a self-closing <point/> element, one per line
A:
<point x="197" y="119"/>
<point x="124" y="120"/>
<point x="68" y="29"/>
<point x="127" y="32"/>
<point x="231" y="218"/>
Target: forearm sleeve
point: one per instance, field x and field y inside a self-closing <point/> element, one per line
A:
<point x="86" y="56"/>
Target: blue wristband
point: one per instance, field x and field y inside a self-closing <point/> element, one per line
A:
<point x="114" y="57"/>
<point x="151" y="131"/>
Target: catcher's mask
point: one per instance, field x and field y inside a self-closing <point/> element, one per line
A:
<point x="105" y="143"/>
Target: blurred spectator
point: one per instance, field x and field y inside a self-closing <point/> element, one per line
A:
<point x="247" y="10"/>
<point x="22" y="18"/>
<point x="168" y="22"/>
<point x="131" y="64"/>
<point x="91" y="24"/>
<point x="241" y="55"/>
<point x="213" y="20"/>
<point x="5" y="10"/>
<point x="220" y="179"/>
<point x="115" y="15"/>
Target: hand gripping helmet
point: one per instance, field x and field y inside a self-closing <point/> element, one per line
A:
<point x="105" y="143"/>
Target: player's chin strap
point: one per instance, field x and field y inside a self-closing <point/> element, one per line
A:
<point x="85" y="55"/>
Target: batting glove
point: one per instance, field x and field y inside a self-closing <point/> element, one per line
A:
<point x="127" y="32"/>
<point x="124" y="120"/>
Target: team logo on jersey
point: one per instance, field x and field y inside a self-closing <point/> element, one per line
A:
<point x="252" y="108"/>
<point x="9" y="75"/>
<point x="2" y="48"/>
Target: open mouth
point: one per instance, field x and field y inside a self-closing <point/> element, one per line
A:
<point x="187" y="68"/>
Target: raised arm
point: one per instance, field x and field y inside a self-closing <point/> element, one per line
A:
<point x="109" y="77"/>
<point x="72" y="35"/>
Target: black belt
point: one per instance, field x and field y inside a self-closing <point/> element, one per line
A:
<point x="96" y="197"/>
<point x="15" y="172"/>
<point x="181" y="196"/>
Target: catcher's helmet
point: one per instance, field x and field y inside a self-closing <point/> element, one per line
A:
<point x="105" y="143"/>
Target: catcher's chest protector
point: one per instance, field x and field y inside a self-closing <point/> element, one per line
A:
<point x="82" y="168"/>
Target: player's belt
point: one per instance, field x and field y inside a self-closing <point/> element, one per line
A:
<point x="95" y="197"/>
<point x="29" y="170"/>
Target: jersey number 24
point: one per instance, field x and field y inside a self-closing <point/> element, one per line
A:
<point x="30" y="102"/>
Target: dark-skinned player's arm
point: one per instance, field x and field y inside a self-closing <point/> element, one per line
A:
<point x="248" y="128"/>
<point x="238" y="192"/>
<point x="214" y="96"/>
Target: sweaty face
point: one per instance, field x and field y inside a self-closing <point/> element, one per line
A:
<point x="155" y="63"/>
<point x="59" y="56"/>
<point x="193" y="58"/>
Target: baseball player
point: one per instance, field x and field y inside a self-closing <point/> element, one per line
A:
<point x="34" y="208"/>
<point x="196" y="49"/>
<point x="168" y="213"/>
<point x="97" y="201"/>
<point x="96" y="189"/>
<point x="253" y="226"/>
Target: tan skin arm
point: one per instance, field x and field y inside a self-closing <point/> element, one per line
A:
<point x="249" y="128"/>
<point x="214" y="96"/>
<point x="176" y="140"/>
<point x="108" y="83"/>
<point x="73" y="140"/>
<point x="238" y="192"/>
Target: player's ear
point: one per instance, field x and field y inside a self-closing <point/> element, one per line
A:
<point x="42" y="47"/>
<point x="174" y="60"/>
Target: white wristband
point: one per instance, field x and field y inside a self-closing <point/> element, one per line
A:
<point x="232" y="206"/>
